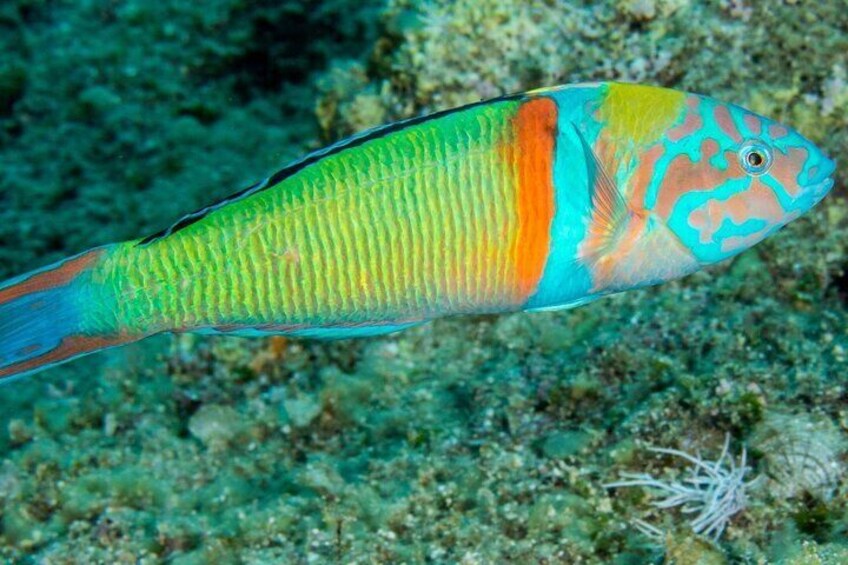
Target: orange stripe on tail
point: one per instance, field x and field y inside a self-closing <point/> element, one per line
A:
<point x="51" y="277"/>
<point x="53" y="315"/>
<point x="535" y="127"/>
<point x="70" y="347"/>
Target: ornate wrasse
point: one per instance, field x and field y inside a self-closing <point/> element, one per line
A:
<point x="542" y="200"/>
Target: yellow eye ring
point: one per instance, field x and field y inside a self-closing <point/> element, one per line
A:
<point x="755" y="157"/>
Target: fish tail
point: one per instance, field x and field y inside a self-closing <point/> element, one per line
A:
<point x="53" y="315"/>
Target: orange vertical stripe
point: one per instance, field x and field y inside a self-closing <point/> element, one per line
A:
<point x="53" y="276"/>
<point x="535" y="127"/>
<point x="70" y="346"/>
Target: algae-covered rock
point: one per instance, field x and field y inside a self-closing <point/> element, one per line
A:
<point x="569" y="516"/>
<point x="460" y="441"/>
<point x="801" y="453"/>
<point x="683" y="549"/>
<point x="19" y="431"/>
<point x="22" y="529"/>
<point x="812" y="553"/>
<point x="301" y="411"/>
<point x="565" y="443"/>
<point x="215" y="426"/>
<point x="87" y="496"/>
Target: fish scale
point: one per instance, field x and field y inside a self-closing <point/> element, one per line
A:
<point x="354" y="233"/>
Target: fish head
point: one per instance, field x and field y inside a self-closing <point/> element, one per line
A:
<point x="725" y="178"/>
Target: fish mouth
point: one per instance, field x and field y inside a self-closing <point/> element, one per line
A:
<point x="821" y="178"/>
<point x="820" y="189"/>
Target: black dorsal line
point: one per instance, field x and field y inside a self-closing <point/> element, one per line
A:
<point x="311" y="158"/>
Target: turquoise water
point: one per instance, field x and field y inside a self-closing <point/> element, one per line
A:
<point x="471" y="440"/>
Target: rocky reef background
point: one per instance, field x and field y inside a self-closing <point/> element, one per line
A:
<point x="469" y="440"/>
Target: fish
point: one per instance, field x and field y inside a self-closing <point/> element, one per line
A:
<point x="543" y="200"/>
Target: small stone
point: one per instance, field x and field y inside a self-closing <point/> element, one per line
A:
<point x="302" y="410"/>
<point x="215" y="426"/>
<point x="801" y="453"/>
<point x="643" y="10"/>
<point x="19" y="432"/>
<point x="564" y="444"/>
<point x="110" y="424"/>
<point x="688" y="550"/>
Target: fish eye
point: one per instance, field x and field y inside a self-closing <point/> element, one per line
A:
<point x="755" y="157"/>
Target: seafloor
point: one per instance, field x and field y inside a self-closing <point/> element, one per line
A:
<point x="470" y="440"/>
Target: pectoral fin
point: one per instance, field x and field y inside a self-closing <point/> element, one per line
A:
<point x="610" y="210"/>
<point x="566" y="306"/>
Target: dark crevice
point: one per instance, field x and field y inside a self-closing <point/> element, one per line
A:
<point x="290" y="41"/>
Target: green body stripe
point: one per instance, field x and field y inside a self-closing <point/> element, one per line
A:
<point x="418" y="223"/>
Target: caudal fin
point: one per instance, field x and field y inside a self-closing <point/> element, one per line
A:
<point x="45" y="317"/>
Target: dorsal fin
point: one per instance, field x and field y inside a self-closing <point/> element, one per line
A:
<point x="313" y="157"/>
<point x="193" y="217"/>
<point x="609" y="206"/>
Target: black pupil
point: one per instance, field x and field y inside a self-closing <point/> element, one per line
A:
<point x="755" y="159"/>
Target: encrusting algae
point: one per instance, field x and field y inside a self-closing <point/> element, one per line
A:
<point x="475" y="440"/>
